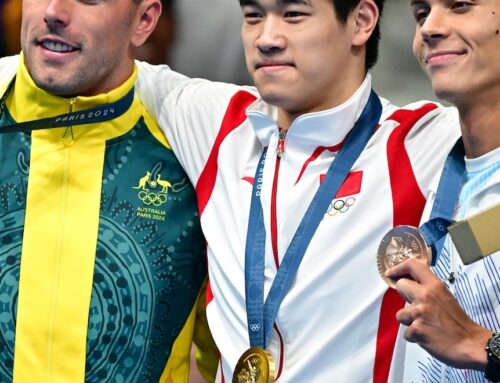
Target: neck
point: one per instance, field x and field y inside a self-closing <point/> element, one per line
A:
<point x="480" y="125"/>
<point x="286" y="119"/>
<point x="287" y="115"/>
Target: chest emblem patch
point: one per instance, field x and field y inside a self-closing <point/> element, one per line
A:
<point x="345" y="198"/>
<point x="153" y="193"/>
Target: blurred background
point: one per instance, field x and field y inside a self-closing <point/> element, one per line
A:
<point x="202" y="39"/>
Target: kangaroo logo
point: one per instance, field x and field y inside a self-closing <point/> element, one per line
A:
<point x="147" y="190"/>
<point x="165" y="185"/>
<point x="143" y="181"/>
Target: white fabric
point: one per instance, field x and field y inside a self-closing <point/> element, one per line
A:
<point x="8" y="67"/>
<point x="328" y="321"/>
<point x="476" y="286"/>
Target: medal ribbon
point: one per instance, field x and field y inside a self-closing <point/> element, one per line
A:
<point x="434" y="231"/>
<point x="262" y="315"/>
<point x="89" y="116"/>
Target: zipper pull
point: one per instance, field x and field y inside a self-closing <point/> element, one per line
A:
<point x="69" y="129"/>
<point x="281" y="143"/>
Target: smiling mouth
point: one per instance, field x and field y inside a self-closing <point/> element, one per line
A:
<point x="437" y="58"/>
<point x="273" y="65"/>
<point x="57" y="47"/>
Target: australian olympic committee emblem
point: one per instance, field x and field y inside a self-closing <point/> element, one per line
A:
<point x="153" y="193"/>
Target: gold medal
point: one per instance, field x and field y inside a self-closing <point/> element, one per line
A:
<point x="256" y="365"/>
<point x="399" y="244"/>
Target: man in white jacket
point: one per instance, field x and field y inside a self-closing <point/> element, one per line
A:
<point x="455" y="313"/>
<point x="332" y="316"/>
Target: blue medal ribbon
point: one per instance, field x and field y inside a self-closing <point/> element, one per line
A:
<point x="89" y="116"/>
<point x="434" y="231"/>
<point x="262" y="314"/>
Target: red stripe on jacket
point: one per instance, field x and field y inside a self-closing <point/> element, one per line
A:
<point x="408" y="205"/>
<point x="234" y="117"/>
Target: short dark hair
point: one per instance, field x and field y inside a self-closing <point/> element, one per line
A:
<point x="343" y="8"/>
<point x="168" y="5"/>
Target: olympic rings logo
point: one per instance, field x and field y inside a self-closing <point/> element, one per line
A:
<point x="151" y="198"/>
<point x="340" y="206"/>
<point x="254" y="327"/>
<point x="440" y="226"/>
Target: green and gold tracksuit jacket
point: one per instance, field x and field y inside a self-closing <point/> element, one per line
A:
<point x="101" y="253"/>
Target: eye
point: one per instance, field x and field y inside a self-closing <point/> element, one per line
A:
<point x="420" y="14"/>
<point x="90" y="2"/>
<point x="461" y="6"/>
<point x="252" y="17"/>
<point x="294" y="16"/>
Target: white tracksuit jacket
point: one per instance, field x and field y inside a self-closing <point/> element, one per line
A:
<point x="337" y="322"/>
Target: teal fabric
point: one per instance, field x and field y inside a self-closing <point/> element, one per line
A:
<point x="150" y="261"/>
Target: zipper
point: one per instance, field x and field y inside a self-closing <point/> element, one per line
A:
<point x="280" y="150"/>
<point x="68" y="139"/>
<point x="58" y="262"/>
<point x="68" y="135"/>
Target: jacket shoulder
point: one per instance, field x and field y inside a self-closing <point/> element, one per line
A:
<point x="8" y="67"/>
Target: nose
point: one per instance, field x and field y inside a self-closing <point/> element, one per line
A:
<point x="271" y="38"/>
<point x="57" y="13"/>
<point x="435" y="26"/>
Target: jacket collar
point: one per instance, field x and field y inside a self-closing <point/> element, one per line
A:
<point x="28" y="102"/>
<point x="309" y="131"/>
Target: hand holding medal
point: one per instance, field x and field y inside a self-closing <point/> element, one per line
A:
<point x="398" y="245"/>
<point x="425" y="243"/>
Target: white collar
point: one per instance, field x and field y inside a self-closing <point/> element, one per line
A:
<point x="309" y="131"/>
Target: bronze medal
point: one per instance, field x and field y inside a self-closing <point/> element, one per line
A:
<point x="256" y="365"/>
<point x="399" y="244"/>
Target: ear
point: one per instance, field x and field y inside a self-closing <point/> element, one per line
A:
<point x="146" y="17"/>
<point x="366" y="16"/>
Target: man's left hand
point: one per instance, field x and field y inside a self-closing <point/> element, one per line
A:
<point x="435" y="319"/>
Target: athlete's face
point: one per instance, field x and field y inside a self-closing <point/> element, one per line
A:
<point x="458" y="45"/>
<point x="81" y="47"/>
<point x="300" y="56"/>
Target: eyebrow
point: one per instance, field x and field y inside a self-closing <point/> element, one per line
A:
<point x="247" y="2"/>
<point x="417" y="2"/>
<point x="286" y="2"/>
<point x="280" y="2"/>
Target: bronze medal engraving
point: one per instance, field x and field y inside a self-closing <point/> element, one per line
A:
<point x="399" y="244"/>
<point x="254" y="366"/>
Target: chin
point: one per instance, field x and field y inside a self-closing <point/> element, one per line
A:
<point x="447" y="93"/>
<point x="56" y="87"/>
<point x="448" y="85"/>
<point x="271" y="94"/>
<point x="275" y="100"/>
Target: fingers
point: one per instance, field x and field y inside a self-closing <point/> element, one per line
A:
<point x="413" y="268"/>
<point x="416" y="321"/>
<point x="409" y="317"/>
<point x="407" y="289"/>
<point x="411" y="336"/>
<point x="432" y="291"/>
<point x="405" y="317"/>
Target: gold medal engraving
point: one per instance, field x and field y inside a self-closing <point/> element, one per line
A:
<point x="399" y="244"/>
<point x="255" y="366"/>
